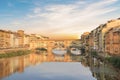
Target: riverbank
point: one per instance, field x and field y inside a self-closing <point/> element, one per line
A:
<point x="15" y="53"/>
<point x="2" y="51"/>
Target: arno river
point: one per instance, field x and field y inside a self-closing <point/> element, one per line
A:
<point x="48" y="66"/>
<point x="42" y="67"/>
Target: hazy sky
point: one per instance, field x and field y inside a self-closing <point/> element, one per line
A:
<point x="57" y="17"/>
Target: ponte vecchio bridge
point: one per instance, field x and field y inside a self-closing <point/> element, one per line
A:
<point x="51" y="43"/>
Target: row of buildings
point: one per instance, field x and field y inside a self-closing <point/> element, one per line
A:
<point x="19" y="39"/>
<point x="104" y="39"/>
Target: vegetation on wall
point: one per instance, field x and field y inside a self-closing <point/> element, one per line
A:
<point x="115" y="61"/>
<point x="15" y="53"/>
<point x="94" y="53"/>
<point x="41" y="49"/>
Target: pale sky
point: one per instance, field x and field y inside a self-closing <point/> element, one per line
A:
<point x="57" y="18"/>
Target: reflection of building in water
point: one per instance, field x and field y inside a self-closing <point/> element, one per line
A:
<point x="18" y="64"/>
<point x="50" y="56"/>
<point x="84" y="62"/>
<point x="4" y="68"/>
<point x="67" y="58"/>
<point x="59" y="58"/>
<point x="100" y="70"/>
<point x="12" y="65"/>
<point x="21" y="64"/>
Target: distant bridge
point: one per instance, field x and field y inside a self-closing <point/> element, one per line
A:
<point x="53" y="43"/>
<point x="50" y="44"/>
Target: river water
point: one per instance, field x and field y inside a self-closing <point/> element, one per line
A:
<point x="53" y="67"/>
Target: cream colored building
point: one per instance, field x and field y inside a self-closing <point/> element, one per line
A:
<point x="112" y="41"/>
<point x="12" y="40"/>
<point x="1" y="38"/>
<point x="37" y="40"/>
<point x="33" y="41"/>
<point x="21" y="38"/>
<point x="18" y="39"/>
<point x="96" y="38"/>
<point x="6" y="39"/>
<point x="26" y="40"/>
<point x="108" y="26"/>
<point x="16" y="43"/>
<point x="99" y="37"/>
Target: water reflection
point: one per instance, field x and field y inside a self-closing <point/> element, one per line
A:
<point x="52" y="67"/>
<point x="18" y="64"/>
<point x="100" y="69"/>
